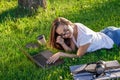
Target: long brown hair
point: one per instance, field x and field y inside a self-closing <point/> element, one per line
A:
<point x="53" y="34"/>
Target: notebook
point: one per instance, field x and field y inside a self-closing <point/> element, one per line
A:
<point x="91" y="67"/>
<point x="112" y="71"/>
<point x="41" y="58"/>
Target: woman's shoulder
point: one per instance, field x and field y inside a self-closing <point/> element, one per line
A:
<point x="78" y="24"/>
<point x="81" y="27"/>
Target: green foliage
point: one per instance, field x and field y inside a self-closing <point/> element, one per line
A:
<point x="19" y="27"/>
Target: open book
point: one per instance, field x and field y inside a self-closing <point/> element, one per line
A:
<point x="112" y="71"/>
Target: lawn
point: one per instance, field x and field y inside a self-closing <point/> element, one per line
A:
<point x="19" y="27"/>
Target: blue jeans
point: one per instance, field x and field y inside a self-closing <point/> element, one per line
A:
<point x="113" y="33"/>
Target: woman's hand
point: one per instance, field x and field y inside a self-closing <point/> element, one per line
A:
<point x="54" y="58"/>
<point x="60" y="40"/>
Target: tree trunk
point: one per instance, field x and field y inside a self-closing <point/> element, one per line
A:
<point x="32" y="3"/>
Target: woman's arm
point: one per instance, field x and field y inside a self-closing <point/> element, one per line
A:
<point x="66" y="48"/>
<point x="60" y="41"/>
<point x="81" y="51"/>
<point x="57" y="55"/>
<point x="70" y="48"/>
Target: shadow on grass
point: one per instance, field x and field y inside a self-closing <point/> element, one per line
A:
<point x="98" y="16"/>
<point x="16" y="12"/>
<point x="108" y="54"/>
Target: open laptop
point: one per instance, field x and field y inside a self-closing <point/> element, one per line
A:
<point x="41" y="58"/>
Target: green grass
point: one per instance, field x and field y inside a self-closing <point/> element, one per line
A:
<point x="19" y="27"/>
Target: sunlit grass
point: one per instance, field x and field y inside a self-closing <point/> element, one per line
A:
<point x="19" y="27"/>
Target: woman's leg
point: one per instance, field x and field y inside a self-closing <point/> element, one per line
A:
<point x="117" y="37"/>
<point x="113" y="33"/>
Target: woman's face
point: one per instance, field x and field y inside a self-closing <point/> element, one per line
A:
<point x="65" y="31"/>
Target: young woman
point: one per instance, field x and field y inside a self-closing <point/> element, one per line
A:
<point x="69" y="36"/>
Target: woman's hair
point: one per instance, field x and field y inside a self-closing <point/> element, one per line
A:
<point x="53" y="35"/>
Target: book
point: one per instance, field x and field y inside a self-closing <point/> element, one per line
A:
<point x="112" y="71"/>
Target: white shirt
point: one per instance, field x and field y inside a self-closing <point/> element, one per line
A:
<point x="97" y="40"/>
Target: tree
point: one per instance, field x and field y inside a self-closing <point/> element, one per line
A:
<point x="32" y="4"/>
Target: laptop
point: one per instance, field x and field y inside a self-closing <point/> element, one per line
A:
<point x="41" y="58"/>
